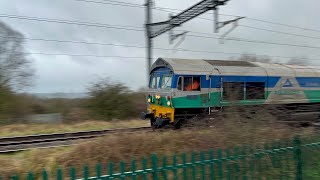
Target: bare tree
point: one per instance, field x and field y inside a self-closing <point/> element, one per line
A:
<point x="15" y="70"/>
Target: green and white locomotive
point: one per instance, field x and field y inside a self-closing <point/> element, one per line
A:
<point x="187" y="87"/>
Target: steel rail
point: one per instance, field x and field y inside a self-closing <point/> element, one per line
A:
<point x="20" y="143"/>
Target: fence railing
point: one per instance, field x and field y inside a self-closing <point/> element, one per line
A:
<point x="278" y="160"/>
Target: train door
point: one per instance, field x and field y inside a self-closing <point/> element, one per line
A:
<point x="214" y="93"/>
<point x="215" y="88"/>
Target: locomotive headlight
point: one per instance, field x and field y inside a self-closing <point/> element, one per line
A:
<point x="149" y="100"/>
<point x="168" y="103"/>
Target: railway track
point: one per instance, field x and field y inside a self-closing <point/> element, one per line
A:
<point x="21" y="143"/>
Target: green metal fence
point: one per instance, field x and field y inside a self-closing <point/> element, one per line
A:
<point x="278" y="160"/>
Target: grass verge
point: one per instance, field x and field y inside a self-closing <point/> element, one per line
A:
<point x="31" y="129"/>
<point x="125" y="147"/>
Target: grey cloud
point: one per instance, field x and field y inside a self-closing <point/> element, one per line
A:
<point x="63" y="73"/>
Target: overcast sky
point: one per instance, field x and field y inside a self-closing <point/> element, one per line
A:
<point x="73" y="74"/>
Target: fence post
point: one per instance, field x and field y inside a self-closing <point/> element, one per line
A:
<point x="86" y="172"/>
<point x="144" y="167"/>
<point x="220" y="168"/>
<point x="164" y="167"/>
<point x="154" y="161"/>
<point x="110" y="170"/>
<point x="122" y="170"/>
<point x="134" y="169"/>
<point x="44" y="174"/>
<point x="194" y="167"/>
<point x="211" y="156"/>
<point x="98" y="170"/>
<point x="297" y="157"/>
<point x="59" y="174"/>
<point x="203" y="165"/>
<point x="30" y="176"/>
<point x="184" y="161"/>
<point x="72" y="173"/>
<point x="174" y="166"/>
<point x="15" y="177"/>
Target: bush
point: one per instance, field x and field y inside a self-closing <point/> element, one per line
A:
<point x="110" y="100"/>
<point x="6" y="97"/>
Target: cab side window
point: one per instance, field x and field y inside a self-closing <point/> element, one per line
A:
<point x="179" y="87"/>
<point x="189" y="83"/>
<point x="196" y="84"/>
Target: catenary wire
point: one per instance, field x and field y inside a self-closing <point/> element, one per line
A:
<point x="137" y="46"/>
<point x="79" y="55"/>
<point x="170" y="10"/>
<point x="132" y="28"/>
<point x="70" y="22"/>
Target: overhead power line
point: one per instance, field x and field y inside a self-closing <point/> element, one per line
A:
<point x="257" y="41"/>
<point x="72" y="41"/>
<point x="116" y="3"/>
<point x="72" y="22"/>
<point x="269" y="30"/>
<point x="282" y="24"/>
<point x="140" y="57"/>
<point x="133" y="46"/>
<point x="280" y="32"/>
<point x="166" y="9"/>
<point x="171" y="10"/>
<point x="82" y="55"/>
<point x="132" y="28"/>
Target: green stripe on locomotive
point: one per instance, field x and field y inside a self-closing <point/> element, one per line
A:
<point x="313" y="95"/>
<point x="202" y="100"/>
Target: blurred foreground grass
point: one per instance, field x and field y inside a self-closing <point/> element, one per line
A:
<point x="31" y="129"/>
<point x="125" y="147"/>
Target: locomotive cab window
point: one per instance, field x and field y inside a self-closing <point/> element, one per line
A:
<point x="233" y="90"/>
<point x="255" y="90"/>
<point x="154" y="81"/>
<point x="166" y="81"/>
<point x="189" y="83"/>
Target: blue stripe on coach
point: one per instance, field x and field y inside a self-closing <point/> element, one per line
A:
<point x="309" y="81"/>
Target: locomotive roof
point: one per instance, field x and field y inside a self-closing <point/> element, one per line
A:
<point x="205" y="67"/>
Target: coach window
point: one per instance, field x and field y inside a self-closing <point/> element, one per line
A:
<point x="255" y="90"/>
<point x="233" y="90"/>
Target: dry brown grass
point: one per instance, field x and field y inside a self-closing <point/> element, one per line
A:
<point x="125" y="147"/>
<point x="30" y="129"/>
